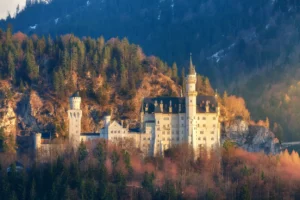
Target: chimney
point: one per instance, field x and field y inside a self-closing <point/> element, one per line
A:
<point x="155" y="103"/>
<point x="146" y="108"/>
<point x="207" y="106"/>
<point x="170" y="107"/>
<point x="161" y="105"/>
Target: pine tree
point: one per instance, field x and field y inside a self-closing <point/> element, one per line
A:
<point x="148" y="182"/>
<point x="82" y="152"/>
<point x="175" y="72"/>
<point x="31" y="67"/>
<point x="3" y="140"/>
<point x="225" y="97"/>
<point x="41" y="46"/>
<point x="32" y="194"/>
<point x="100" y="153"/>
<point x="22" y="87"/>
<point x="267" y="123"/>
<point x="11" y="66"/>
<point x="183" y="80"/>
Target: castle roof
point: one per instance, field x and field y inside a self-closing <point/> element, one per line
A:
<point x="192" y="70"/>
<point x="90" y="134"/>
<point x="153" y="105"/>
<point x="76" y="94"/>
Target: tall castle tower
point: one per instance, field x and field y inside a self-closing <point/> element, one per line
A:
<point x="74" y="115"/>
<point x="190" y="102"/>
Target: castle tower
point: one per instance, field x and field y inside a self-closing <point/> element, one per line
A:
<point x="190" y="102"/>
<point x="74" y="115"/>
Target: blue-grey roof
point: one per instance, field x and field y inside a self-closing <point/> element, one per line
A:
<point x="76" y="94"/>
<point x="46" y="135"/>
<point x="176" y="103"/>
<point x="90" y="134"/>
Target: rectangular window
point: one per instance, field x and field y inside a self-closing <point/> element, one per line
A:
<point x="204" y="125"/>
<point x="214" y="118"/>
<point x="204" y="118"/>
<point x="204" y="138"/>
<point x="212" y="132"/>
<point x="199" y="138"/>
<point x="212" y="138"/>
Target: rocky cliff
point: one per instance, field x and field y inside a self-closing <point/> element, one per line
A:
<point x="252" y="138"/>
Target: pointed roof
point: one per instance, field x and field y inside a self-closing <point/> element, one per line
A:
<point x="191" y="68"/>
<point x="76" y="94"/>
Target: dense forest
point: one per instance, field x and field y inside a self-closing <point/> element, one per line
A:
<point x="103" y="171"/>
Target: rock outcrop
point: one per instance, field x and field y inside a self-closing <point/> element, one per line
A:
<point x="253" y="138"/>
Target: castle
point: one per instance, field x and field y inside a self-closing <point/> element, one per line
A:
<point x="165" y="121"/>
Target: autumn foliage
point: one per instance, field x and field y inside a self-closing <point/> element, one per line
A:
<point x="102" y="170"/>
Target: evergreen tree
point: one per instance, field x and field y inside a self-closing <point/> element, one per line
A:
<point x="11" y="66"/>
<point x="267" y="123"/>
<point x="32" y="195"/>
<point x="244" y="193"/>
<point x="100" y="153"/>
<point x="3" y="140"/>
<point x="183" y="80"/>
<point x="41" y="46"/>
<point x="148" y="182"/>
<point x="31" y="67"/>
<point x="175" y="72"/>
<point x="82" y="152"/>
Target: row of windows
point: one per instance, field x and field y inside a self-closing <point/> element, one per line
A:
<point x="169" y="132"/>
<point x="203" y="118"/>
<point x="199" y="138"/>
<point x="203" y="125"/>
<point x="116" y="131"/>
<point x="117" y="138"/>
<point x="182" y="118"/>
<point x="202" y="145"/>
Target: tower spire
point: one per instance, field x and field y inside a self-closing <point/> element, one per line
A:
<point x="191" y="68"/>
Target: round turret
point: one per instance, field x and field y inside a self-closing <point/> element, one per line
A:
<point x="75" y="101"/>
<point x="107" y="120"/>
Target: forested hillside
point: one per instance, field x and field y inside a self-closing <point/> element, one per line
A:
<point x="244" y="47"/>
<point x="39" y="74"/>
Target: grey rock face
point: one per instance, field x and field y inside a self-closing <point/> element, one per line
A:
<point x="253" y="138"/>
